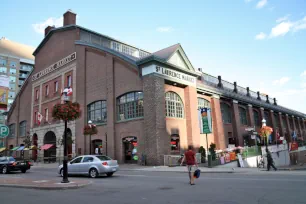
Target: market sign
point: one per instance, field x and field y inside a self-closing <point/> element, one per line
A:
<point x="4" y="131"/>
<point x="170" y="74"/>
<point x="205" y="120"/>
<point x="54" y="66"/>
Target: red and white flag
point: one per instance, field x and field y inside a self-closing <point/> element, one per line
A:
<point x="67" y="91"/>
<point x="39" y="118"/>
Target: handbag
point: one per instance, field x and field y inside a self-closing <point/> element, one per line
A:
<point x="197" y="173"/>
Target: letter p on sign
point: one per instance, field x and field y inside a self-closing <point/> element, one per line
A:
<point x="4" y="131"/>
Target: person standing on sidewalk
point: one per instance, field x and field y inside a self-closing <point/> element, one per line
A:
<point x="270" y="161"/>
<point x="191" y="162"/>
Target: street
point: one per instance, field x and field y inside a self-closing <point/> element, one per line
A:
<point x="167" y="187"/>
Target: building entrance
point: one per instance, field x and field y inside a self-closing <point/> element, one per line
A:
<point x="130" y="149"/>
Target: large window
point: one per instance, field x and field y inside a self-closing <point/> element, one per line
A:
<point x="130" y="106"/>
<point x="13" y="71"/>
<point x="226" y="113"/>
<point x="22" y="128"/>
<point x="97" y="112"/>
<point x="268" y="119"/>
<point x="284" y="122"/>
<point x="13" y="64"/>
<point x="243" y="116"/>
<point x="12" y="130"/>
<point x="12" y="87"/>
<point x="276" y="118"/>
<point x="256" y="118"/>
<point x="174" y="105"/>
<point x="12" y="94"/>
<point x="56" y="87"/>
<point x="3" y="70"/>
<point x="3" y="62"/>
<point x="69" y="80"/>
<point x="12" y="79"/>
<point x="203" y="103"/>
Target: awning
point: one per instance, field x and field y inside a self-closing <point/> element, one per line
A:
<point x="33" y="147"/>
<point x="46" y="146"/>
<point x="15" y="148"/>
<point x="20" y="148"/>
<point x="2" y="149"/>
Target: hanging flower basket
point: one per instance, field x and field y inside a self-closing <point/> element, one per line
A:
<point x="90" y="130"/>
<point x="265" y="131"/>
<point x="67" y="111"/>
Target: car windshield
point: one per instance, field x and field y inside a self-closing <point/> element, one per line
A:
<point x="11" y="159"/>
<point x="103" y="158"/>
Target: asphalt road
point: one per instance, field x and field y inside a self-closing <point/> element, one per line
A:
<point x="165" y="187"/>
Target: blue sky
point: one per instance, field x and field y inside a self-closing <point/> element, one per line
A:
<point x="258" y="43"/>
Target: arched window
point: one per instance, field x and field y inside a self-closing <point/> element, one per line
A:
<point x="243" y="116"/>
<point x="256" y="118"/>
<point x="12" y="130"/>
<point x="130" y="106"/>
<point x="97" y="112"/>
<point x="174" y="105"/>
<point x="203" y="103"/>
<point x="226" y="113"/>
<point x="22" y="128"/>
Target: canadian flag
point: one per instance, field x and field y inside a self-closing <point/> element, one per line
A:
<point x="67" y="91"/>
<point x="39" y="118"/>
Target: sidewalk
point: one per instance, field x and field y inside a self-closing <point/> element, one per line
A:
<point x="42" y="184"/>
<point x="293" y="168"/>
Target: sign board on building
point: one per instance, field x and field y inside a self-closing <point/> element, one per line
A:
<point x="205" y="120"/>
<point x="54" y="66"/>
<point x="170" y="74"/>
<point x="4" y="131"/>
<point x="3" y="95"/>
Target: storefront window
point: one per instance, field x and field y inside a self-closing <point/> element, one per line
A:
<point x="174" y="105"/>
<point x="175" y="142"/>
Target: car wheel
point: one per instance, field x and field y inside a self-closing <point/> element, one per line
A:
<point x="4" y="170"/>
<point x="23" y="170"/>
<point x="93" y="173"/>
<point x="109" y="174"/>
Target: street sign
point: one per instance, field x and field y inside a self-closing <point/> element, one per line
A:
<point x="4" y="131"/>
<point x="249" y="129"/>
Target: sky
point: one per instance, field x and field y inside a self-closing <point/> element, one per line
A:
<point x="260" y="44"/>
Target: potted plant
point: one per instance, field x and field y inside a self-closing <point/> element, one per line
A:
<point x="202" y="151"/>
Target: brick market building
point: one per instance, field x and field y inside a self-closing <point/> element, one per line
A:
<point x="136" y="99"/>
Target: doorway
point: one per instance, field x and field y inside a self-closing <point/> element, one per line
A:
<point x="130" y="149"/>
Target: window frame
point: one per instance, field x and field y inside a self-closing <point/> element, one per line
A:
<point x="55" y="86"/>
<point x="174" y="104"/>
<point x="46" y="114"/>
<point x="4" y="70"/>
<point x="102" y="108"/>
<point x="225" y="120"/>
<point x="131" y="107"/>
<point x="206" y="102"/>
<point x="69" y="80"/>
<point x="47" y="90"/>
<point x="12" y="129"/>
<point x="243" y="116"/>
<point x="23" y="128"/>
<point x="258" y="123"/>
<point x="36" y="94"/>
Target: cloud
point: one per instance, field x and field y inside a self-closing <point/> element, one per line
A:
<point x="304" y="73"/>
<point x="261" y="4"/>
<point x="164" y="29"/>
<point x="290" y="92"/>
<point x="40" y="27"/>
<point x="281" y="29"/>
<point x="285" y="18"/>
<point x="260" y="36"/>
<point x="303" y="85"/>
<point x="281" y="81"/>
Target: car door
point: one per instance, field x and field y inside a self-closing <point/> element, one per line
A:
<point x="85" y="165"/>
<point x="74" y="165"/>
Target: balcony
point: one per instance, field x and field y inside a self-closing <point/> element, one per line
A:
<point x="23" y="76"/>
<point x="25" y="68"/>
<point x="20" y="82"/>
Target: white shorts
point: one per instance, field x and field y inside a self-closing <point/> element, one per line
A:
<point x="191" y="168"/>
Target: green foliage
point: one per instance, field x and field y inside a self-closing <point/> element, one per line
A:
<point x="212" y="150"/>
<point x="202" y="151"/>
<point x="27" y="140"/>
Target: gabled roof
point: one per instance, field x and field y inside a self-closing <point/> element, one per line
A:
<point x="167" y="56"/>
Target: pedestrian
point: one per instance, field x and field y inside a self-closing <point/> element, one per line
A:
<point x="191" y="163"/>
<point x="270" y="161"/>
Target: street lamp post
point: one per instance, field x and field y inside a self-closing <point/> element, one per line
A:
<point x="65" y="161"/>
<point x="90" y="125"/>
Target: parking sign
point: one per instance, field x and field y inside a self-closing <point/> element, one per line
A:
<point x="4" y="131"/>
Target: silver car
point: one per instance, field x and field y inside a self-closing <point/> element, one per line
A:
<point x="91" y="165"/>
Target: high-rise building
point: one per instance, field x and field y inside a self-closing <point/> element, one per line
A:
<point x="16" y="62"/>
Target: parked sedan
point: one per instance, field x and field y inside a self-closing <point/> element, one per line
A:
<point x="9" y="164"/>
<point x="91" y="165"/>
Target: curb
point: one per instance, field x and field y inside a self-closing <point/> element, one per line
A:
<point x="46" y="187"/>
<point x="202" y="172"/>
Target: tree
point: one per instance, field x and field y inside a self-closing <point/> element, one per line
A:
<point x="27" y="140"/>
<point x="203" y="154"/>
<point x="212" y="151"/>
